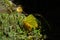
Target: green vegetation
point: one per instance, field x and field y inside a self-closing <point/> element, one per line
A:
<point x="12" y="24"/>
<point x="11" y="28"/>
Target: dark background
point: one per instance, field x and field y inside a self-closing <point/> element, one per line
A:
<point x="50" y="10"/>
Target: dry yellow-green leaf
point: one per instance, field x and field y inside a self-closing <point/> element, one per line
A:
<point x="30" y="22"/>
